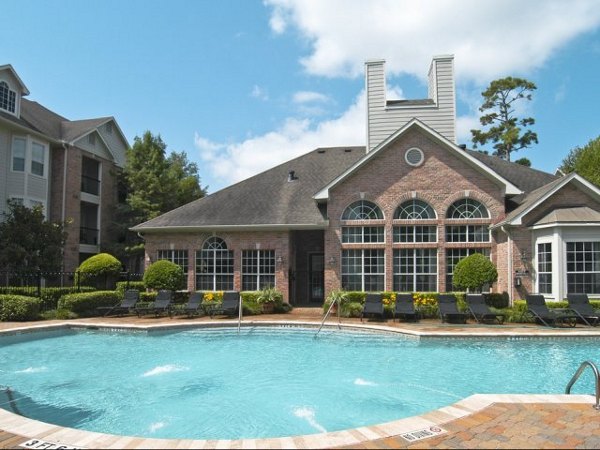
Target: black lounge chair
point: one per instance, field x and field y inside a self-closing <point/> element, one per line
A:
<point x="130" y="299"/>
<point x="536" y="307"/>
<point x="482" y="312"/>
<point x="405" y="308"/>
<point x="449" y="310"/>
<point x="230" y="305"/>
<point x="580" y="305"/>
<point x="373" y="305"/>
<point x="193" y="305"/>
<point x="161" y="304"/>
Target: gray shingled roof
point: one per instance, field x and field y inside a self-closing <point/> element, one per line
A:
<point x="525" y="178"/>
<point x="579" y="214"/>
<point x="54" y="126"/>
<point x="267" y="198"/>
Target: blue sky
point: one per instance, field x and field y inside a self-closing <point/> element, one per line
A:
<point x="242" y="85"/>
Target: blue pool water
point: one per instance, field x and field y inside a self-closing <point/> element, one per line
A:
<point x="266" y="382"/>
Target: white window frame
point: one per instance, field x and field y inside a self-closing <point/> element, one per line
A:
<point x="44" y="159"/>
<point x="566" y="272"/>
<point x="12" y="154"/>
<point x="16" y="99"/>
<point x="553" y="263"/>
<point x="414" y="273"/>
<point x="260" y="274"/>
<point x="362" y="266"/>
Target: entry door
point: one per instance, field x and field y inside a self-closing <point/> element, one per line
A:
<point x="316" y="277"/>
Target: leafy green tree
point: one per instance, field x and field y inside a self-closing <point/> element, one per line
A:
<point x="29" y="242"/>
<point x="153" y="184"/>
<point x="524" y="162"/>
<point x="505" y="130"/>
<point x="474" y="271"/>
<point x="585" y="161"/>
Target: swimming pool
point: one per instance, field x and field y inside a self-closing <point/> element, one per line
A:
<point x="265" y="382"/>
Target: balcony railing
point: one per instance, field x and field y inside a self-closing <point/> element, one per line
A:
<point x="88" y="236"/>
<point x="90" y="185"/>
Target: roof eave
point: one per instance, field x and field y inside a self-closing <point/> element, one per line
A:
<point x="31" y="131"/>
<point x="509" y="188"/>
<point x="249" y="227"/>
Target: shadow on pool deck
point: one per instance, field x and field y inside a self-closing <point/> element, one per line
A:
<point x="499" y="425"/>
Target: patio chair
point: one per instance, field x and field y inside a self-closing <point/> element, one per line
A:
<point x="537" y="308"/>
<point x="405" y="308"/>
<point x="580" y="305"/>
<point x="449" y="309"/>
<point x="193" y="305"/>
<point x="230" y="305"/>
<point x="373" y="305"/>
<point x="480" y="311"/>
<point x="127" y="305"/>
<point x="161" y="304"/>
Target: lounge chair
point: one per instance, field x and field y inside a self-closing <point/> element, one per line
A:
<point x="449" y="310"/>
<point x="373" y="305"/>
<point x="161" y="304"/>
<point x="580" y="305"/>
<point x="127" y="305"/>
<point x="536" y="307"/>
<point x="405" y="308"/>
<point x="230" y="305"/>
<point x="193" y="305"/>
<point x="480" y="311"/>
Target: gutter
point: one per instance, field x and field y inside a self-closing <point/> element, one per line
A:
<point x="258" y="227"/>
<point x="64" y="187"/>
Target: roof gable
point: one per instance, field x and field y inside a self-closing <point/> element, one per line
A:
<point x="509" y="188"/>
<point x="535" y="198"/>
<point x="9" y="69"/>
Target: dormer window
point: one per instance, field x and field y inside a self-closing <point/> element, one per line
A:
<point x="8" y="98"/>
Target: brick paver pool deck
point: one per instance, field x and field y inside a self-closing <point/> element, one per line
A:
<point x="480" y="421"/>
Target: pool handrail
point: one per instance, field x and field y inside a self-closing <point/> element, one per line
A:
<point x="335" y="302"/>
<point x="582" y="367"/>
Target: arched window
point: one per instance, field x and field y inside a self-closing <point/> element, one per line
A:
<point x="214" y="266"/>
<point x="7" y="97"/>
<point x="414" y="210"/>
<point x="467" y="208"/>
<point x="362" y="210"/>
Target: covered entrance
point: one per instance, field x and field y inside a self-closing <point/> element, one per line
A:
<point x="307" y="276"/>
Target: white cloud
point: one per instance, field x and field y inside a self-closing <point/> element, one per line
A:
<point x="488" y="39"/>
<point x="236" y="161"/>
<point x="259" y="93"/>
<point x="309" y="97"/>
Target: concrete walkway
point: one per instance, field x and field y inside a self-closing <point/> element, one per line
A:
<point x="490" y="421"/>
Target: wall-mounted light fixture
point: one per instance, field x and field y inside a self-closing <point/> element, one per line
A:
<point x="332" y="261"/>
<point x="279" y="259"/>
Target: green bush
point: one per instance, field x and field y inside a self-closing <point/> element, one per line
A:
<point x="85" y="304"/>
<point x="270" y="295"/>
<point x="122" y="286"/>
<point x="18" y="308"/>
<point x="474" y="271"/>
<point x="164" y="275"/>
<point x="49" y="296"/>
<point x="100" y="270"/>
<point x="497" y="300"/>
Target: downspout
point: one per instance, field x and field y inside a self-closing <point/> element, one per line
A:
<point x="509" y="265"/>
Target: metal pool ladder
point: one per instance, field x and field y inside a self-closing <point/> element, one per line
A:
<point x="582" y="367"/>
<point x="336" y="302"/>
<point x="240" y="315"/>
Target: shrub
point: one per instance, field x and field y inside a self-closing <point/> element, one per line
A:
<point x="18" y="308"/>
<point x="164" y="274"/>
<point x="497" y="300"/>
<point x="85" y="304"/>
<point x="49" y="296"/>
<point x="474" y="271"/>
<point x="99" y="270"/>
<point x="269" y="295"/>
<point x="122" y="286"/>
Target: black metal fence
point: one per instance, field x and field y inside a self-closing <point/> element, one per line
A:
<point x="32" y="283"/>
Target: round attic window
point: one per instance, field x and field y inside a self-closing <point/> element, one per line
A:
<point x="414" y="156"/>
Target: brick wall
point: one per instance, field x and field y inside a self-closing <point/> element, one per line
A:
<point x="236" y="241"/>
<point x="388" y="180"/>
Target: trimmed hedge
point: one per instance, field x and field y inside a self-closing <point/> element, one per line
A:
<point x="19" y="308"/>
<point x="122" y="286"/>
<point x="50" y="295"/>
<point x="164" y="275"/>
<point x="85" y="304"/>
